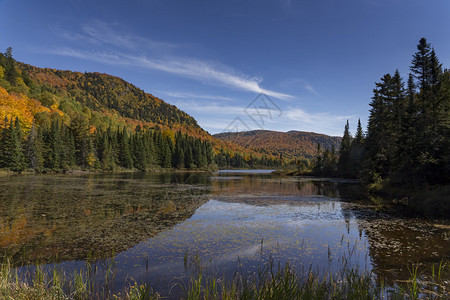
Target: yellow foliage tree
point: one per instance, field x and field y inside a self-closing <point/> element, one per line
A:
<point x="18" y="105"/>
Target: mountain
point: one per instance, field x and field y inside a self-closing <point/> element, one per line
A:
<point x="112" y="100"/>
<point x="291" y="145"/>
<point x="52" y="120"/>
<point x="91" y="111"/>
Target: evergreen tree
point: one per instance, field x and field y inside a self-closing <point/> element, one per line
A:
<point x="381" y="132"/>
<point x="406" y="155"/>
<point x="124" y="154"/>
<point x="11" y="153"/>
<point x="178" y="156"/>
<point x="318" y="165"/>
<point x="139" y="152"/>
<point x="79" y="126"/>
<point x="345" y="161"/>
<point x="34" y="149"/>
<point x="10" y="70"/>
<point x="357" y="150"/>
<point x="189" y="157"/>
<point x="53" y="146"/>
<point x="428" y="71"/>
<point x="443" y="129"/>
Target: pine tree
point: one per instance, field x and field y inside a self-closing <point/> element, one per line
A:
<point x="443" y="129"/>
<point x="318" y="165"/>
<point x="357" y="150"/>
<point x="139" y="155"/>
<point x="34" y="149"/>
<point x="189" y="158"/>
<point x="124" y="153"/>
<point x="11" y="153"/>
<point x="380" y="143"/>
<point x="428" y="72"/>
<point x="345" y="161"/>
<point x="10" y="70"/>
<point x="406" y="156"/>
<point x="54" y="146"/>
<point x="79" y="126"/>
<point x="178" y="157"/>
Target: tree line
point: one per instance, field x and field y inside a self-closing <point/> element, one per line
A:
<point x="408" y="134"/>
<point x="225" y="159"/>
<point x="59" y="147"/>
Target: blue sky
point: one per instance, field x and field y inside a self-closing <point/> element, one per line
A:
<point x="317" y="61"/>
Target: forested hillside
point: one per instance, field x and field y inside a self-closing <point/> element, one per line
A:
<point x="290" y="145"/>
<point x="53" y="120"/>
<point x="112" y="100"/>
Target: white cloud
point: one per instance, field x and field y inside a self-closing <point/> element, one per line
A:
<point x="213" y="73"/>
<point x="300" y="83"/>
<point x="204" y="71"/>
<point x="318" y="122"/>
<point x="105" y="33"/>
<point x="185" y="95"/>
<point x="216" y="117"/>
<point x="214" y="109"/>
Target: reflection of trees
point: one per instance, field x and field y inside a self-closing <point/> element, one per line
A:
<point x="328" y="189"/>
<point x="70" y="216"/>
<point x="396" y="242"/>
<point x="252" y="185"/>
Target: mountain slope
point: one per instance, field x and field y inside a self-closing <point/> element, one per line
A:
<point x="43" y="95"/>
<point x="102" y="103"/>
<point x="291" y="145"/>
<point x="107" y="95"/>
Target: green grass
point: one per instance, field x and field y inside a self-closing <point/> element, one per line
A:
<point x="269" y="282"/>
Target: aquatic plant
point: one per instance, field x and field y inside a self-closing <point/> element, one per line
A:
<point x="271" y="281"/>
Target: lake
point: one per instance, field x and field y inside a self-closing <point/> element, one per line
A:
<point x="153" y="226"/>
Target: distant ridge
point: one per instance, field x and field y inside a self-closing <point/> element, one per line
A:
<point x="291" y="145"/>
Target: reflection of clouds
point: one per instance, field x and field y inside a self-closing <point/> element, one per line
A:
<point x="224" y="233"/>
<point x="237" y="214"/>
<point x="238" y="254"/>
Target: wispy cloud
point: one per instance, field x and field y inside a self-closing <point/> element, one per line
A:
<point x="214" y="109"/>
<point x="103" y="34"/>
<point x="185" y="95"/>
<point x="319" y="122"/>
<point x="293" y="118"/>
<point x="309" y="88"/>
<point x="300" y="83"/>
<point x="190" y="68"/>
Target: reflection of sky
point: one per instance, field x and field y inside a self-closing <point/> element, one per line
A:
<point x="222" y="233"/>
<point x="250" y="220"/>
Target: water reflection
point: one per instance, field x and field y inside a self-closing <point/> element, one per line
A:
<point x="152" y="221"/>
<point x="51" y="218"/>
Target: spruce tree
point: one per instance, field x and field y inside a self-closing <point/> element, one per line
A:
<point x="34" y="149"/>
<point x="318" y="165"/>
<point x="345" y="162"/>
<point x="10" y="70"/>
<point x="178" y="157"/>
<point x="12" y="152"/>
<point x="124" y="157"/>
<point x="357" y="150"/>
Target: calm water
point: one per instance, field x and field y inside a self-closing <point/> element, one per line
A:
<point x="154" y="225"/>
